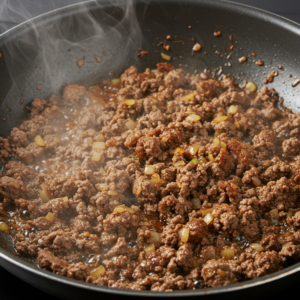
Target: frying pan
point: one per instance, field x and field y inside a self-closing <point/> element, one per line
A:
<point x="40" y="54"/>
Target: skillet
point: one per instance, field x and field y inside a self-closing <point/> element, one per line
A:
<point x="41" y="54"/>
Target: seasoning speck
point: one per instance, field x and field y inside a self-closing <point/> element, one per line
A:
<point x="80" y="62"/>
<point x="38" y="87"/>
<point x="259" y="63"/>
<point x="167" y="47"/>
<point x="142" y="54"/>
<point x="197" y="47"/>
<point x="98" y="59"/>
<point x="270" y="77"/>
<point x="253" y="54"/>
<point x="21" y="101"/>
<point x="280" y="67"/>
<point x="290" y="75"/>
<point x="190" y="27"/>
<point x="242" y="59"/>
<point x="0" y="55"/>
<point x="169" y="38"/>
<point x="4" y="119"/>
<point x="296" y="82"/>
<point x="217" y="33"/>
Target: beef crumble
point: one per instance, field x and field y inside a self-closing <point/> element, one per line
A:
<point x="156" y="181"/>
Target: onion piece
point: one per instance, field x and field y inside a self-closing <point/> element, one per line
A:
<point x="222" y="273"/>
<point x="164" y="139"/>
<point x="98" y="272"/>
<point x="196" y="203"/>
<point x="101" y="186"/>
<point x="149" y="248"/>
<point x="256" y="181"/>
<point x="119" y="208"/>
<point x="219" y="119"/>
<point x="115" y="81"/>
<point x="44" y="193"/>
<point x="237" y="125"/>
<point x="165" y="56"/>
<point x="129" y="102"/>
<point x="232" y="110"/>
<point x="251" y="87"/>
<point x="257" y="247"/>
<point x="100" y="138"/>
<point x="130" y="210"/>
<point x="89" y="140"/>
<point x="210" y="157"/>
<point x="179" y="163"/>
<point x="178" y="151"/>
<point x="50" y="217"/>
<point x="289" y="214"/>
<point x="216" y="141"/>
<point x="66" y="199"/>
<point x="4" y="227"/>
<point x="178" y="184"/>
<point x="194" y="161"/>
<point x="96" y="156"/>
<point x="209" y="255"/>
<point x="112" y="193"/>
<point x="194" y="263"/>
<point x="274" y="214"/>
<point x="208" y="218"/>
<point x="193" y="149"/>
<point x="39" y="141"/>
<point x="130" y="124"/>
<point x="206" y="211"/>
<point x="155" y="178"/>
<point x="223" y="145"/>
<point x="57" y="139"/>
<point x="193" y="118"/>
<point x="155" y="236"/>
<point x="102" y="171"/>
<point x="188" y="97"/>
<point x="149" y="170"/>
<point x="99" y="145"/>
<point x="228" y="253"/>
<point x="185" y="234"/>
<point x="202" y="160"/>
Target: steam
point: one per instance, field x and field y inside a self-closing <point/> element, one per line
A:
<point x="46" y="53"/>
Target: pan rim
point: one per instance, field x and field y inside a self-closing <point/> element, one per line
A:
<point x="48" y="16"/>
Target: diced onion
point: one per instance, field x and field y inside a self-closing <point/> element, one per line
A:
<point x="228" y="253"/>
<point x="245" y="152"/>
<point x="222" y="273"/>
<point x="39" y="141"/>
<point x="98" y="272"/>
<point x="145" y="223"/>
<point x="165" y="56"/>
<point x="66" y="199"/>
<point x="130" y="102"/>
<point x="155" y="236"/>
<point x="219" y="119"/>
<point x="112" y="193"/>
<point x="242" y="59"/>
<point x="216" y="141"/>
<point x="257" y="247"/>
<point x="202" y="160"/>
<point x="91" y="132"/>
<point x="290" y="214"/>
<point x="232" y="110"/>
<point x="139" y="190"/>
<point x="89" y="140"/>
<point x="178" y="151"/>
<point x="115" y="80"/>
<point x="274" y="214"/>
<point x="57" y="139"/>
<point x="149" y="170"/>
<point x="209" y="255"/>
<point x="237" y="125"/>
<point x="130" y="210"/>
<point x="251" y="87"/>
<point x="210" y="157"/>
<point x="193" y="118"/>
<point x="194" y="148"/>
<point x="223" y="145"/>
<point x="99" y="145"/>
<point x="194" y="161"/>
<point x="43" y="193"/>
<point x="130" y="125"/>
<point x="178" y="184"/>
<point x="50" y="217"/>
<point x="4" y="227"/>
<point x="256" y="181"/>
<point x="188" y="97"/>
<point x="172" y="151"/>
<point x="179" y="163"/>
<point x="215" y="145"/>
<point x="100" y="138"/>
<point x="119" y="208"/>
<point x="155" y="178"/>
<point x="185" y="234"/>
<point x="208" y="218"/>
<point x="194" y="263"/>
<point x="206" y="211"/>
<point x="164" y="139"/>
<point x="102" y="171"/>
<point x="149" y="248"/>
<point x="196" y="203"/>
<point x="96" y="156"/>
<point x="101" y="186"/>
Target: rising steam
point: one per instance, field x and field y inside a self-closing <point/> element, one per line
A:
<point x="46" y="51"/>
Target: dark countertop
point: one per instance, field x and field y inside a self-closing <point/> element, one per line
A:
<point x="286" y="8"/>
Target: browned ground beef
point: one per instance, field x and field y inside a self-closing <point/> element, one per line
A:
<point x="191" y="183"/>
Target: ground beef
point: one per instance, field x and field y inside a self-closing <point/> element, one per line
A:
<point x="159" y="181"/>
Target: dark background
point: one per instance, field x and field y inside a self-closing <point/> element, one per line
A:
<point x="11" y="287"/>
